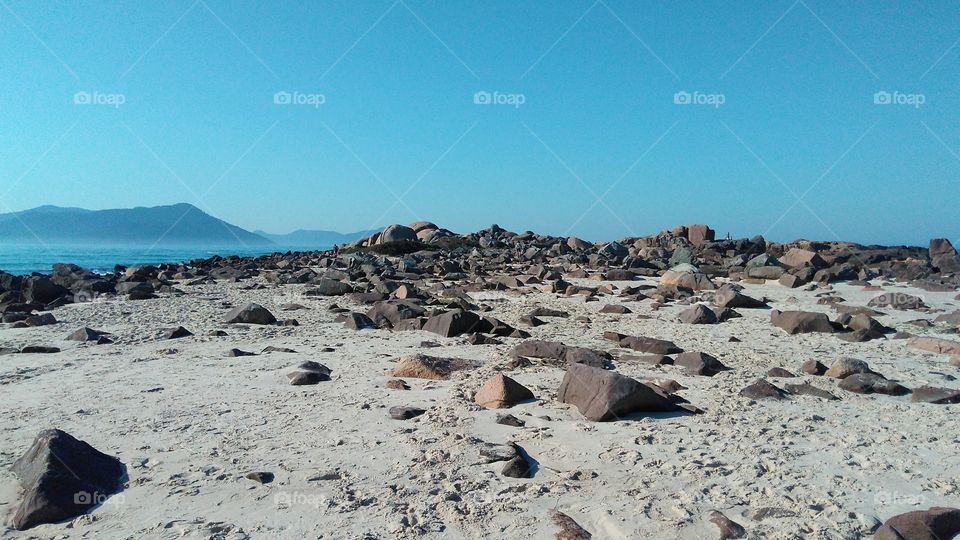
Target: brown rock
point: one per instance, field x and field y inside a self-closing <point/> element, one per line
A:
<point x="728" y="528"/>
<point x="421" y="366"/>
<point x="936" y="345"/>
<point x="844" y="367"/>
<point x="937" y="523"/>
<point x="698" y="363"/>
<point x="801" y="322"/>
<point x="603" y="395"/>
<point x="501" y="392"/>
<point x="569" y="529"/>
<point x="762" y="389"/>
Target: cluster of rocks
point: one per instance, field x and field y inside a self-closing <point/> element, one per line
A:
<point x="419" y="277"/>
<point x="685" y="257"/>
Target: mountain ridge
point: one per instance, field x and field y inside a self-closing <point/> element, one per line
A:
<point x="176" y="224"/>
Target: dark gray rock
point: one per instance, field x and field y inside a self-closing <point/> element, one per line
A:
<point x="62" y="478"/>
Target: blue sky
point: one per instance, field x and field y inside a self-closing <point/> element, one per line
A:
<point x="786" y="140"/>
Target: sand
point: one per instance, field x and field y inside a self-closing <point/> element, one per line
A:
<point x="190" y="423"/>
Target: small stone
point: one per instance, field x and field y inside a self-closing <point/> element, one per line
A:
<point x="397" y="384"/>
<point x="728" y="528"/>
<point x="261" y="477"/>
<point x="405" y="412"/>
<point x="510" y="420"/>
<point x="779" y="372"/>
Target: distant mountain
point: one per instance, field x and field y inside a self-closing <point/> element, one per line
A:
<point x="175" y="225"/>
<point x="314" y="239"/>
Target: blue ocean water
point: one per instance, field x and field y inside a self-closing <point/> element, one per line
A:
<point x="24" y="259"/>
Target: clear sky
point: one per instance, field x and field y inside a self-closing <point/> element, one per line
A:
<point x="118" y="104"/>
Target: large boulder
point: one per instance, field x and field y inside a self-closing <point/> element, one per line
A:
<point x="800" y="257"/>
<point x="397" y="233"/>
<point x="699" y="234"/>
<point x="501" y="392"/>
<point x="329" y="287"/>
<point x="389" y="313"/>
<point x="801" y="322"/>
<point x="614" y="250"/>
<point x="603" y="395"/>
<point x="62" y="478"/>
<point x="687" y="276"/>
<point x="698" y="314"/>
<point x="944" y="256"/>
<point x="251" y="313"/>
<point x="41" y="289"/>
<point x="937" y="523"/>
<point x="453" y="323"/>
<point x="727" y="296"/>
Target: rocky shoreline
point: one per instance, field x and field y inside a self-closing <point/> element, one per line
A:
<point x="492" y="384"/>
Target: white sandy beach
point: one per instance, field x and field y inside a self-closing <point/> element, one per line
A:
<point x="190" y="423"/>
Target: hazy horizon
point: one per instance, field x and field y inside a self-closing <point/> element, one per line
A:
<point x="600" y="119"/>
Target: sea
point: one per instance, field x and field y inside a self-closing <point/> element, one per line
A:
<point x="20" y="259"/>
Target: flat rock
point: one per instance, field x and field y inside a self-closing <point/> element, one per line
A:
<point x="935" y="345"/>
<point x="808" y="389"/>
<point x="86" y="334"/>
<point x="405" y="412"/>
<point x="421" y="366"/>
<point x="779" y="372"/>
<point x="602" y="395"/>
<point x="940" y="396"/>
<point x="871" y="383"/>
